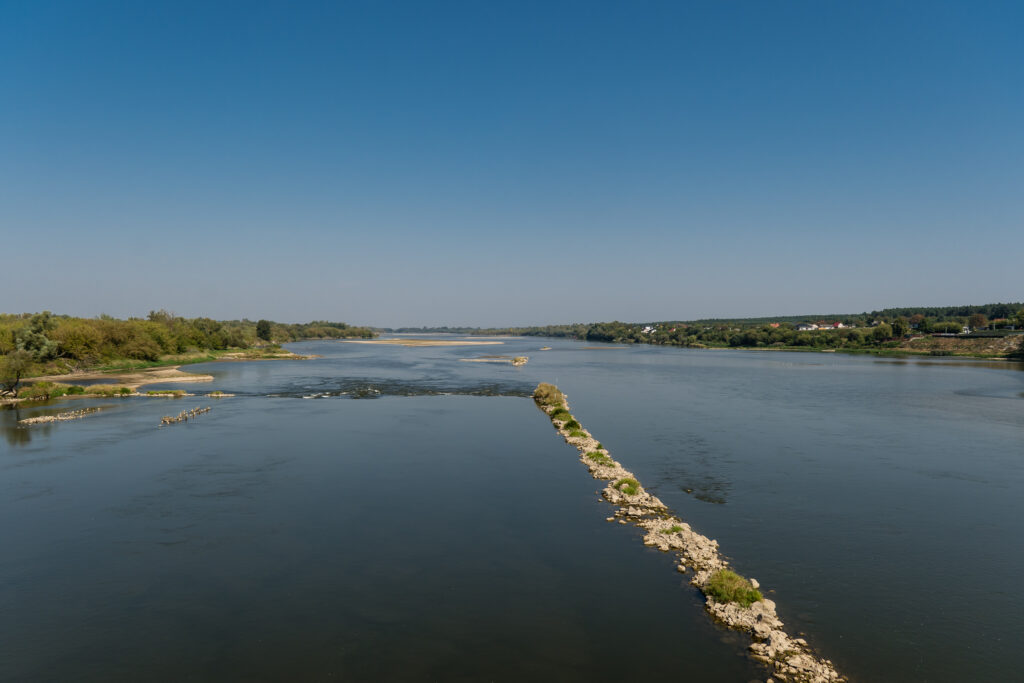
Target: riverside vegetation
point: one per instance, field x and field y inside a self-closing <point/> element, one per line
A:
<point x="731" y="598"/>
<point x="995" y="330"/>
<point x="47" y="344"/>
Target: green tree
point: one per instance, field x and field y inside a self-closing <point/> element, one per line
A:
<point x="32" y="337"/>
<point x="13" y="367"/>
<point x="899" y="327"/>
<point x="882" y="332"/>
<point x="263" y="330"/>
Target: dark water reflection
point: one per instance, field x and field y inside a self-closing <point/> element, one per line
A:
<point x="434" y="535"/>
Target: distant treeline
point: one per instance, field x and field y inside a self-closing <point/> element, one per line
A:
<point x="87" y="341"/>
<point x="857" y="330"/>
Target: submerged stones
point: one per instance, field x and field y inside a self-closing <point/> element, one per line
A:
<point x="789" y="658"/>
<point x="59" y="417"/>
<point x="184" y="416"/>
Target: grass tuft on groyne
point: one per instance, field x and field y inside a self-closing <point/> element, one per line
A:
<point x="728" y="586"/>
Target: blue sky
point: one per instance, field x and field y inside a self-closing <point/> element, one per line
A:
<point x="513" y="163"/>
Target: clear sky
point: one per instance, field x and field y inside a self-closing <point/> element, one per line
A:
<point x="509" y="163"/>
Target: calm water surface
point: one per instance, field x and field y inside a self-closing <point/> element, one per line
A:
<point x="437" y="529"/>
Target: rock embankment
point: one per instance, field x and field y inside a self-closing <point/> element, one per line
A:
<point x="790" y="659"/>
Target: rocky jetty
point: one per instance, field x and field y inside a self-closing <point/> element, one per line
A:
<point x="59" y="417"/>
<point x="184" y="416"/>
<point x="789" y="659"/>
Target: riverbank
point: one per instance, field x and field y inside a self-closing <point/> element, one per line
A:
<point x="790" y="659"/>
<point x="132" y="374"/>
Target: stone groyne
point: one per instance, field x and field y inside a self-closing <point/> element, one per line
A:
<point x="788" y="658"/>
<point x="184" y="416"/>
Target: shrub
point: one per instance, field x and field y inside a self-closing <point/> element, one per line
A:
<point x="600" y="458"/>
<point x="75" y="390"/>
<point x="628" y="485"/>
<point x="578" y="433"/>
<point x="560" y="414"/>
<point x="728" y="586"/>
<point x="571" y="424"/>
<point x="548" y="395"/>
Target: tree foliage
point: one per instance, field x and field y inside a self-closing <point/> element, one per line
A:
<point x="13" y="367"/>
<point x="47" y="339"/>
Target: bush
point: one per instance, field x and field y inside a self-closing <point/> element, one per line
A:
<point x="728" y="586"/>
<point x="571" y="424"/>
<point x="578" y="433"/>
<point x="548" y="395"/>
<point x="75" y="390"/>
<point x="560" y="414"/>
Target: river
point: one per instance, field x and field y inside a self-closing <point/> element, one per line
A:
<point x="437" y="528"/>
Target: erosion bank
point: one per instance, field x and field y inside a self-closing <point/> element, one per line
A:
<point x="790" y="659"/>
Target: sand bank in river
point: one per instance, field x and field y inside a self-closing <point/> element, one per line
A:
<point x="419" y="342"/>
<point x="133" y="380"/>
<point x="514" y="360"/>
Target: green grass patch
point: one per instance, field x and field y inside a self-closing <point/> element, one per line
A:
<point x="107" y="390"/>
<point x="560" y="414"/>
<point x="42" y="391"/>
<point x="572" y="424"/>
<point x="728" y="586"/>
<point x="75" y="390"/>
<point x="578" y="433"/>
<point x="674" y="529"/>
<point x="628" y="485"/>
<point x="600" y="458"/>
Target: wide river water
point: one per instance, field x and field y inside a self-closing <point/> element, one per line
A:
<point x="438" y="529"/>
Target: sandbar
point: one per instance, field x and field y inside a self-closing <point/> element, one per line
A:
<point x="133" y="380"/>
<point x="419" y="342"/>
